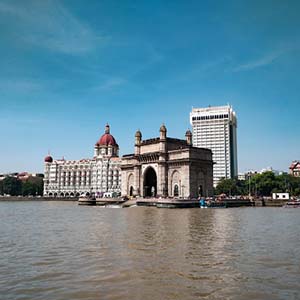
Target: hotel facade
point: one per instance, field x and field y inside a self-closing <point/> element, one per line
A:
<point x="96" y="176"/>
<point x="215" y="128"/>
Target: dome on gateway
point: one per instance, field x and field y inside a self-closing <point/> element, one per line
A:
<point x="107" y="139"/>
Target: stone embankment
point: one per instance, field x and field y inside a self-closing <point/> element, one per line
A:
<point x="270" y="202"/>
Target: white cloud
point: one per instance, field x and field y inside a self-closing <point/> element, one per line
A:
<point x="111" y="83"/>
<point x="260" y="62"/>
<point x="50" y="25"/>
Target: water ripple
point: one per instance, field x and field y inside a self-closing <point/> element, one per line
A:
<point x="62" y="251"/>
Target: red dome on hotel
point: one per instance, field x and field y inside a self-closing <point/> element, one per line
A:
<point x="48" y="159"/>
<point x="107" y="139"/>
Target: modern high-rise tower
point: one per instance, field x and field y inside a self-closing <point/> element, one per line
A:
<point x="215" y="128"/>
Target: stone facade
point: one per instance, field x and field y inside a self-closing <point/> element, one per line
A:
<point x="167" y="167"/>
<point x="96" y="176"/>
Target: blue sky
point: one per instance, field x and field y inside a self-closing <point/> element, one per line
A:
<point x="68" y="67"/>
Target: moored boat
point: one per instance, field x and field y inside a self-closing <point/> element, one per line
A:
<point x="292" y="204"/>
<point x="86" y="200"/>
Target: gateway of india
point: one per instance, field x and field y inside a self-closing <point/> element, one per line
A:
<point x="159" y="167"/>
<point x="167" y="167"/>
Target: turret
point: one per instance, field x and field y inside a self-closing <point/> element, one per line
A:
<point x="138" y="140"/>
<point x="163" y="138"/>
<point x="189" y="137"/>
<point x="163" y="132"/>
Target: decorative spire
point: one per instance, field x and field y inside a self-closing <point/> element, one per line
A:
<point x="107" y="129"/>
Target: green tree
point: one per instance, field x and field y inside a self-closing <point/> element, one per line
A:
<point x="231" y="187"/>
<point x="1" y="187"/>
<point x="12" y="186"/>
<point x="267" y="183"/>
<point x="32" y="186"/>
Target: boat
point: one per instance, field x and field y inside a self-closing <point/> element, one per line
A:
<point x="86" y="200"/>
<point x="292" y="204"/>
<point x="211" y="204"/>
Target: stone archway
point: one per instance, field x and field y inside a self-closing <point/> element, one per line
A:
<point x="150" y="183"/>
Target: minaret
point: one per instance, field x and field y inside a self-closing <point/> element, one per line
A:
<point x="138" y="140"/>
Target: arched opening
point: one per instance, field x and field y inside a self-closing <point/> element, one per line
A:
<point x="201" y="184"/>
<point x="55" y="194"/>
<point x="175" y="184"/>
<point x="62" y="194"/>
<point x="176" y="190"/>
<point x="50" y="194"/>
<point x="72" y="194"/>
<point x="131" y="191"/>
<point x="67" y="194"/>
<point x="130" y="184"/>
<point x="150" y="183"/>
<point x="200" y="191"/>
<point x="77" y="194"/>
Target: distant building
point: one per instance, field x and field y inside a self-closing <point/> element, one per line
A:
<point x="215" y="128"/>
<point x="280" y="196"/>
<point x="23" y="176"/>
<point x="242" y="176"/>
<point x="295" y="168"/>
<point x="167" y="167"/>
<point x="96" y="176"/>
<point x="270" y="169"/>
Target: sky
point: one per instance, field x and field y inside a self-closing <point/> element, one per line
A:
<point x="69" y="67"/>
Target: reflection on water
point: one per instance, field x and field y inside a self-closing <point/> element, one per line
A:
<point x="57" y="250"/>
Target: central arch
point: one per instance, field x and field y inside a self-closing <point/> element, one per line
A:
<point x="150" y="183"/>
